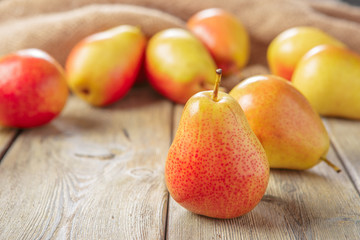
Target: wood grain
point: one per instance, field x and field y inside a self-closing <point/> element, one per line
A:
<point x="90" y="174"/>
<point x="313" y="204"/>
<point x="98" y="174"/>
<point x="345" y="136"/>
<point x="7" y="136"/>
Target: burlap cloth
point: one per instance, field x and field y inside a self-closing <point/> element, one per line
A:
<point x="55" y="26"/>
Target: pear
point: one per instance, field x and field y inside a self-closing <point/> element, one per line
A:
<point x="224" y="36"/>
<point x="103" y="67"/>
<point x="290" y="130"/>
<point x="33" y="89"/>
<point x="216" y="166"/>
<point x="329" y="77"/>
<point x="178" y="65"/>
<point x="286" y="50"/>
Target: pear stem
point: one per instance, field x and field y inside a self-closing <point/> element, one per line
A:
<point x="217" y="84"/>
<point x="333" y="166"/>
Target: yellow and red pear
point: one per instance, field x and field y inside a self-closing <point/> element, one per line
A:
<point x="329" y="77"/>
<point x="286" y="50"/>
<point x="102" y="67"/>
<point x="33" y="89"/>
<point x="224" y="36"/>
<point x="216" y="166"/>
<point x="178" y="65"/>
<point x="290" y="130"/>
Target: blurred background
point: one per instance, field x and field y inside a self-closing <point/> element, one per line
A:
<point x="354" y="2"/>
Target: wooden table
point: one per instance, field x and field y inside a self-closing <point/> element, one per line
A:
<point x="99" y="174"/>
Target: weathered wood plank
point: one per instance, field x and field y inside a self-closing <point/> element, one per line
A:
<point x="345" y="136"/>
<point x="313" y="204"/>
<point x="90" y="174"/>
<point x="7" y="136"/>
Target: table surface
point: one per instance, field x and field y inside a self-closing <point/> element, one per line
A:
<point x="98" y="173"/>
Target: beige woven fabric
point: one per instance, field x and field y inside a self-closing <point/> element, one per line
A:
<point x="55" y="26"/>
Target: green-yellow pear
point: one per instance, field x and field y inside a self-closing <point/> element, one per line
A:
<point x="216" y="166"/>
<point x="329" y="77"/>
<point x="178" y="65"/>
<point x="289" y="129"/>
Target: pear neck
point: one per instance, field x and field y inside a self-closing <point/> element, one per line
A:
<point x="217" y="84"/>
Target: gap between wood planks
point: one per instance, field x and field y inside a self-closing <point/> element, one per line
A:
<point x="346" y="163"/>
<point x="172" y="135"/>
<point x="344" y="166"/>
<point x="9" y="144"/>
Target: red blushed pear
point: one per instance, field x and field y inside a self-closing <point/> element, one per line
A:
<point x="289" y="129"/>
<point x="216" y="166"/>
<point x="224" y="36"/>
<point x="178" y="65"/>
<point x="102" y="68"/>
<point x="286" y="50"/>
<point x="33" y="89"/>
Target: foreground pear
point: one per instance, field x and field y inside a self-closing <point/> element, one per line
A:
<point x="216" y="166"/>
<point x="289" y="129"/>
<point x="329" y="77"/>
<point x="102" y="68"/>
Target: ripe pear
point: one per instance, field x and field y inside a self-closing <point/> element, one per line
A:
<point x="33" y="89"/>
<point x="290" y="130"/>
<point x="329" y="77"/>
<point x="224" y="36"/>
<point x="178" y="65"/>
<point x="102" y="67"/>
<point x="286" y="50"/>
<point x="216" y="166"/>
